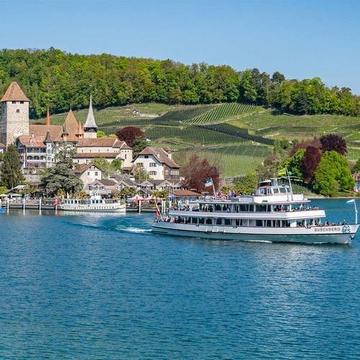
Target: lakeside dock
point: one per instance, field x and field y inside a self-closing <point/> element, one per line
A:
<point x="49" y="206"/>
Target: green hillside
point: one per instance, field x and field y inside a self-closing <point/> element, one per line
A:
<point x="237" y="137"/>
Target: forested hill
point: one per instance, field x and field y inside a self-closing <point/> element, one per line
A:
<point x="55" y="79"/>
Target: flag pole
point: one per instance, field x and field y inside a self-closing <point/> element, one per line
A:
<point x="355" y="209"/>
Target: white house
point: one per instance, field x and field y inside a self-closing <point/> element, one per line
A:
<point x="158" y="163"/>
<point x="108" y="148"/>
<point x="88" y="174"/>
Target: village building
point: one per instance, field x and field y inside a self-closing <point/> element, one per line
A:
<point x="158" y="163"/>
<point x="104" y="187"/>
<point x="356" y="178"/>
<point x="14" y="114"/>
<point x="108" y="148"/>
<point x="185" y="195"/>
<point x="38" y="144"/>
<point x="124" y="181"/>
<point x="88" y="173"/>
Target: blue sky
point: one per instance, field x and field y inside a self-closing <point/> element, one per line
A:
<point x="300" y="38"/>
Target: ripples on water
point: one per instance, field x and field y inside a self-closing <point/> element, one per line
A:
<point x="104" y="287"/>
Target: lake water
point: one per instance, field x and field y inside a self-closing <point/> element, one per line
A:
<point x="105" y="287"/>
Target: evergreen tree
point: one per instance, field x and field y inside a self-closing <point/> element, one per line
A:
<point x="61" y="178"/>
<point x="11" y="174"/>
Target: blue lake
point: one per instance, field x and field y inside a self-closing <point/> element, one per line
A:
<point x="105" y="287"/>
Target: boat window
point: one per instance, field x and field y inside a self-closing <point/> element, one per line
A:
<point x="268" y="223"/>
<point x="218" y="221"/>
<point x="217" y="207"/>
<point x="259" y="223"/>
<point x="282" y="190"/>
<point x="243" y="208"/>
<point x="261" y="208"/>
<point x="251" y="208"/>
<point x="208" y="222"/>
<point x="276" y="190"/>
<point x="201" y="220"/>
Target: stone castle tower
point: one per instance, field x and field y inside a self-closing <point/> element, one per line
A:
<point x="14" y="114"/>
<point x="90" y="127"/>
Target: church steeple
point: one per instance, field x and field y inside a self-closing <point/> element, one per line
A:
<point x="90" y="127"/>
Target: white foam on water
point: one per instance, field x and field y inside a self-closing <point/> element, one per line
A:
<point x="135" y="230"/>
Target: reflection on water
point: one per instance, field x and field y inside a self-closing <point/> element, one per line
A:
<point x="95" y="287"/>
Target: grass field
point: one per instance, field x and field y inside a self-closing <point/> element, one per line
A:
<point x="235" y="136"/>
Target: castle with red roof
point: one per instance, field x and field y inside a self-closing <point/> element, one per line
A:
<point x="38" y="144"/>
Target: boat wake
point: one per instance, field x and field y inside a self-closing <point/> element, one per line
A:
<point x="134" y="230"/>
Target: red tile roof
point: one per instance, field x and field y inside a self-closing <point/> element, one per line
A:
<point x="55" y="131"/>
<point x="14" y="93"/>
<point x="31" y="141"/>
<point x="72" y="128"/>
<point x="184" y="192"/>
<point x="81" y="168"/>
<point x="103" y="142"/>
<point x="161" y="155"/>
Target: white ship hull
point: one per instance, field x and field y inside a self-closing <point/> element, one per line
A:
<point x="340" y="234"/>
<point x="100" y="208"/>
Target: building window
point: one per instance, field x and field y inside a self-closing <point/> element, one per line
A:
<point x="96" y="173"/>
<point x="146" y="156"/>
<point x="21" y="102"/>
<point x="14" y="102"/>
<point x="17" y="110"/>
<point x="152" y="172"/>
<point x="152" y="164"/>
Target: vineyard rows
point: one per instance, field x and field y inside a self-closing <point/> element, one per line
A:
<point x="220" y="113"/>
<point x="233" y="160"/>
<point x="190" y="134"/>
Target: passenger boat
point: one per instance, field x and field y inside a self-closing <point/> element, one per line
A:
<point x="273" y="214"/>
<point x="93" y="204"/>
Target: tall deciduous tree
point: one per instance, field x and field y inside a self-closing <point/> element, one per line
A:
<point x="333" y="142"/>
<point x="11" y="174"/>
<point x="129" y="134"/>
<point x="333" y="175"/>
<point x="310" y="162"/>
<point x="56" y="79"/>
<point x="246" y="184"/>
<point x="197" y="171"/>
